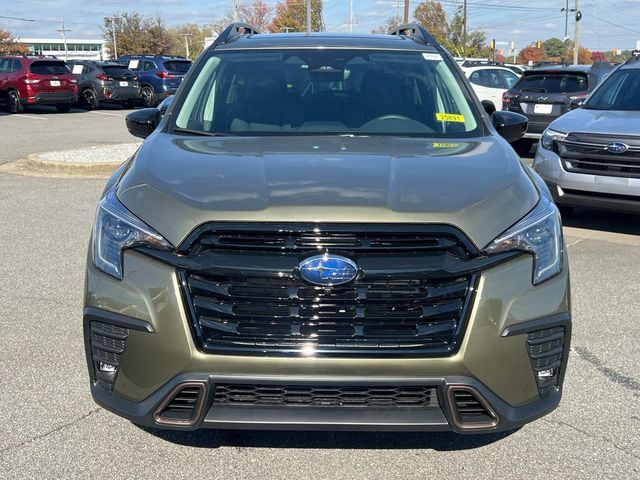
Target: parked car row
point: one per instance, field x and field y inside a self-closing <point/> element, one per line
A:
<point x="133" y="80"/>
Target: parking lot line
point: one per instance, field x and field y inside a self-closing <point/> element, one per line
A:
<point x="106" y="113"/>
<point x="22" y="115"/>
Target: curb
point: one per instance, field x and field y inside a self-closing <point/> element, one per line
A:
<point x="33" y="165"/>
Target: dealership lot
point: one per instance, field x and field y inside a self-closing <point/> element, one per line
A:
<point x="52" y="428"/>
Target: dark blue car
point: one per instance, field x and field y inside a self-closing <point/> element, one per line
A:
<point x="158" y="75"/>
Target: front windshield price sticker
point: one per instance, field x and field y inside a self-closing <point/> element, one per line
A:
<point x="434" y="57"/>
<point x="449" y="117"/>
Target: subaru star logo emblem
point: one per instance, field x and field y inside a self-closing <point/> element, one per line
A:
<point x="617" y="147"/>
<point x="328" y="270"/>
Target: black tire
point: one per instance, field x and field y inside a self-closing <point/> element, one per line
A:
<point x="147" y="97"/>
<point x="131" y="103"/>
<point x="64" y="107"/>
<point x="14" y="105"/>
<point x="89" y="99"/>
<point x="522" y="147"/>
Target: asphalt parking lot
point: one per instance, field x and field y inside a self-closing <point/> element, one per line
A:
<point x="52" y="429"/>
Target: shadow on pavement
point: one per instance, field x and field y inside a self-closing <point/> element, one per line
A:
<point x="440" y="441"/>
<point x="602" y="220"/>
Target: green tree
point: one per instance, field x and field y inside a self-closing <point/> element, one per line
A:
<point x="291" y="15"/>
<point x="195" y="35"/>
<point x="432" y="16"/>
<point x="476" y="45"/>
<point x="554" y="49"/>
<point x="9" y="45"/>
<point x="138" y="34"/>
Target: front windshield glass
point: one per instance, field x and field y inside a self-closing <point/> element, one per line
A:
<point x="326" y="91"/>
<point x="621" y="91"/>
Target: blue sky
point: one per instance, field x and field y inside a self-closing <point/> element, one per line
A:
<point x="606" y="24"/>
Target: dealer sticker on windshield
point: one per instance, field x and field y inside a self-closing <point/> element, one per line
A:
<point x="434" y="57"/>
<point x="450" y="117"/>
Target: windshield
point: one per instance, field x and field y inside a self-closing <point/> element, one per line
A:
<point x="554" y="83"/>
<point x="116" y="71"/>
<point x="621" y="91"/>
<point x="324" y="91"/>
<point x="177" y="66"/>
<point x="49" y="68"/>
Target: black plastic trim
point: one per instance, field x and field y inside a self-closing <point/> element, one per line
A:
<point x="558" y="320"/>
<point x="99" y="315"/>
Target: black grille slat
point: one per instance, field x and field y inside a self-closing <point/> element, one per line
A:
<point x="255" y="309"/>
<point x="324" y="396"/>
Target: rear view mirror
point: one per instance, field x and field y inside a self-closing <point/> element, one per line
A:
<point x="142" y="123"/>
<point x="510" y="125"/>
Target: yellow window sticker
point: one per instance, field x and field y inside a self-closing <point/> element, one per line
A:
<point x="449" y="117"/>
<point x="446" y="145"/>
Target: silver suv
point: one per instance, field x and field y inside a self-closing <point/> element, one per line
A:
<point x="591" y="155"/>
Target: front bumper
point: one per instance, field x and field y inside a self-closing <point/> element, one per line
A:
<point x="585" y="190"/>
<point x="160" y="355"/>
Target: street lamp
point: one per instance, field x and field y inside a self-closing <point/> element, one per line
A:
<point x="112" y="21"/>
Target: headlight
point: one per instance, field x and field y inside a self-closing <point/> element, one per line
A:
<point x="116" y="228"/>
<point x="549" y="136"/>
<point x="540" y="233"/>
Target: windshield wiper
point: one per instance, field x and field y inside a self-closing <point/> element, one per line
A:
<point x="596" y="107"/>
<point x="202" y="133"/>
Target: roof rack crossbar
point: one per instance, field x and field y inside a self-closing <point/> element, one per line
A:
<point x="416" y="32"/>
<point x="234" y="31"/>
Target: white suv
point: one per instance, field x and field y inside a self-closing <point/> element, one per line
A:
<point x="490" y="83"/>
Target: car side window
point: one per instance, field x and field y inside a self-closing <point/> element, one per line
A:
<point x="134" y="65"/>
<point x="476" y="78"/>
<point x="509" y="78"/>
<point x="5" y="65"/>
<point x="17" y="66"/>
<point x="149" y="65"/>
<point x="492" y="79"/>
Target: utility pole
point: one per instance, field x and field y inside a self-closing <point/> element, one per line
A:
<point x="351" y="15"/>
<point x="64" y="31"/>
<point x="405" y="18"/>
<point x="308" y="16"/>
<point x="235" y="11"/>
<point x="576" y="41"/>
<point x="112" y="20"/>
<point x="186" y="42"/>
<point x="464" y="29"/>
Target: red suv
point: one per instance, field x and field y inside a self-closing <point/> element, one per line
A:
<point x="36" y="81"/>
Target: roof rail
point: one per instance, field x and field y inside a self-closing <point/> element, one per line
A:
<point x="234" y="31"/>
<point x="415" y="32"/>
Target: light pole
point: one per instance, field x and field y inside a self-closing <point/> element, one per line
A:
<point x="576" y="41"/>
<point x="308" y="16"/>
<point x="186" y="42"/>
<point x="112" y="20"/>
<point x="64" y="31"/>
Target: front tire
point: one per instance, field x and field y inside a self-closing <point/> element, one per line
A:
<point x="14" y="105"/>
<point x="64" y="108"/>
<point x="89" y="100"/>
<point x="147" y="97"/>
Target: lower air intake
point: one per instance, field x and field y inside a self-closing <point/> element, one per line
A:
<point x="470" y="410"/>
<point x="183" y="406"/>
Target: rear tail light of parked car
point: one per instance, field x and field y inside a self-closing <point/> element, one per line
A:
<point x="507" y="97"/>
<point x="29" y="80"/>
<point x="163" y="74"/>
<point x="102" y="76"/>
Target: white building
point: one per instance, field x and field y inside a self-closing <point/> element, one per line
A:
<point x="76" y="49"/>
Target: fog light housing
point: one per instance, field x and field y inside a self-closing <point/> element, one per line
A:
<point x="546" y="350"/>
<point x="107" y="367"/>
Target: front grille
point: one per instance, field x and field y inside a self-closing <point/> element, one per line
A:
<point x="324" y="396"/>
<point x="281" y="314"/>
<point x="546" y="350"/>
<point x="582" y="153"/>
<point x="108" y="343"/>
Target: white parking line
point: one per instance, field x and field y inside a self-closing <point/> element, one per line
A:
<point x="22" y="115"/>
<point x="105" y="113"/>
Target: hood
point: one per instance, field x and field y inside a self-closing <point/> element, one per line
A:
<point x="176" y="183"/>
<point x="583" y="120"/>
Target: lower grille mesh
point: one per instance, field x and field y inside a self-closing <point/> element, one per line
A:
<point x="325" y="396"/>
<point x="546" y="349"/>
<point x="108" y="343"/>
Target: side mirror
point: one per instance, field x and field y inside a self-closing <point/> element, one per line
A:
<point x="510" y="125"/>
<point x="165" y="104"/>
<point x="488" y="106"/>
<point x="576" y="103"/>
<point x="142" y="123"/>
